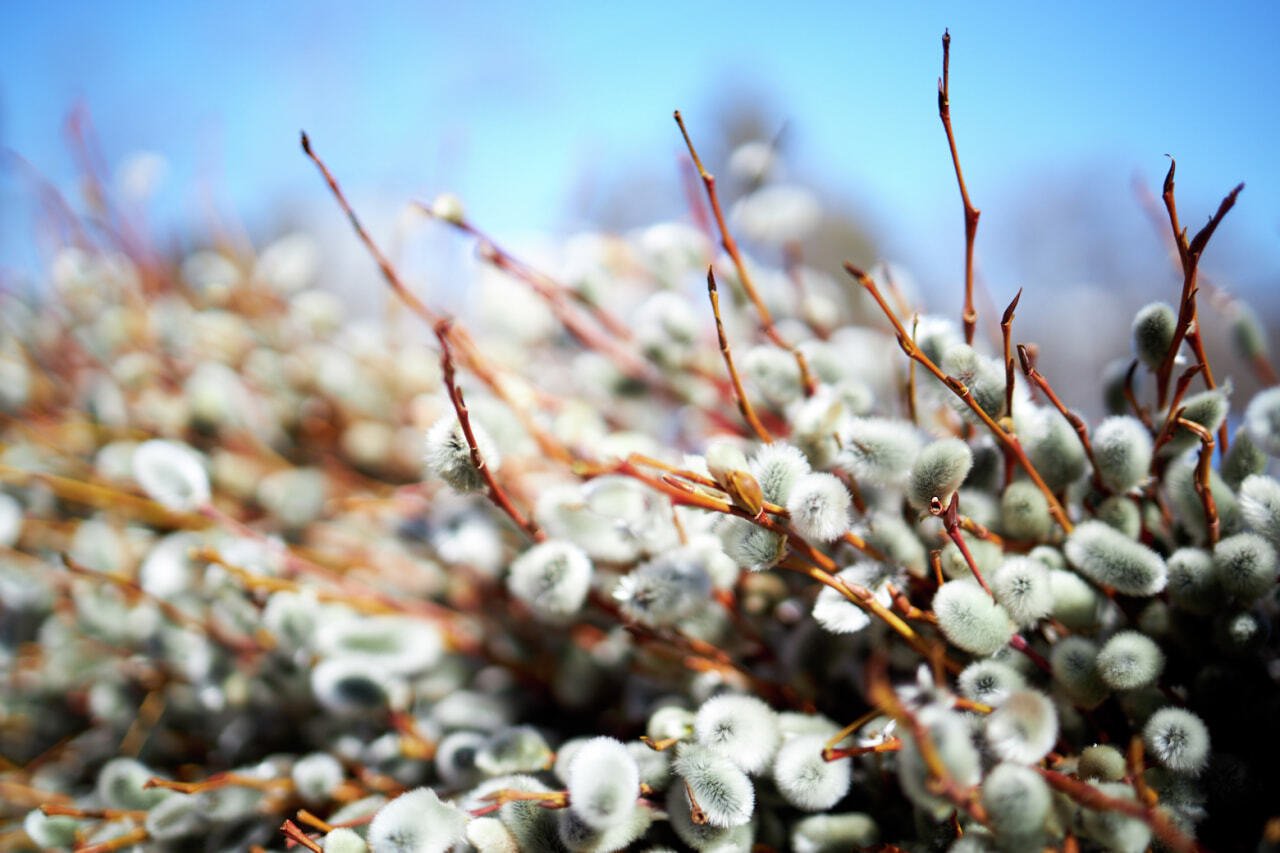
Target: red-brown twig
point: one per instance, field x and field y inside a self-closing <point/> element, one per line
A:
<point x="950" y="515"/>
<point x="1006" y="333"/>
<point x="388" y="272"/>
<point x="1077" y="423"/>
<point x="1090" y="797"/>
<point x="1169" y="426"/>
<point x="744" y="405"/>
<point x="731" y="247"/>
<point x="1132" y="399"/>
<point x="1007" y="440"/>
<point x="1189" y="253"/>
<point x="881" y="693"/>
<point x="494" y="492"/>
<point x="294" y="833"/>
<point x="971" y="213"/>
<point x="1203" y="470"/>
<point x="471" y="354"/>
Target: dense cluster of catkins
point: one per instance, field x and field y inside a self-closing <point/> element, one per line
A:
<point x="267" y="569"/>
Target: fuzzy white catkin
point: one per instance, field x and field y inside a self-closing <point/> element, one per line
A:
<point x="1262" y="420"/>
<point x="805" y="779"/>
<point x="488" y="835"/>
<point x="776" y="468"/>
<point x="1245" y="566"/>
<point x="1024" y="512"/>
<point x="1073" y="661"/>
<point x="1024" y="728"/>
<point x="1102" y="761"/>
<point x="950" y="734"/>
<point x="938" y="471"/>
<point x="175" y="817"/>
<point x="343" y="840"/>
<point x="834" y="833"/>
<point x="719" y="786"/>
<point x="819" y="507"/>
<point x="1153" y="330"/>
<point x="1207" y="408"/>
<point x="1017" y="799"/>
<point x="1129" y="660"/>
<point x="742" y="728"/>
<point x="1178" y="739"/>
<point x="416" y="822"/>
<point x="1075" y="602"/>
<point x="1260" y="506"/>
<point x="1052" y="445"/>
<point x="315" y="776"/>
<point x="704" y="836"/>
<point x="172" y="474"/>
<point x="603" y="783"/>
<point x="10" y="520"/>
<point x="1110" y="558"/>
<point x="750" y="545"/>
<point x="878" y="451"/>
<point x="448" y="456"/>
<point x="1243" y="459"/>
<point x="774" y="372"/>
<point x="970" y="619"/>
<point x="989" y="682"/>
<point x="394" y="644"/>
<point x="1021" y="585"/>
<point x="1122" y="448"/>
<point x="120" y="784"/>
<point x="983" y="376"/>
<point x="670" y="588"/>
<point x="722" y="458"/>
<point x="1114" y="830"/>
<point x="346" y="686"/>
<point x="552" y="577"/>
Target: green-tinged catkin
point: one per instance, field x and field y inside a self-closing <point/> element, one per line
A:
<point x="1110" y="558"/>
<point x="938" y="471"/>
<point x="1152" y="331"/>
<point x="1024" y="512"/>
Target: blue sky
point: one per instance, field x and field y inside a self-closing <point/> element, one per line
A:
<point x="524" y="108"/>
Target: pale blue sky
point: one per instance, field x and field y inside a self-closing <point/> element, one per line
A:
<point x="518" y="107"/>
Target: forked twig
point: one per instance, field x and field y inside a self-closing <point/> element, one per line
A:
<point x="1007" y="440"/>
<point x="1077" y="423"/>
<point x="744" y="405"/>
<point x="1189" y="255"/>
<point x="495" y="492"/>
<point x="1203" y="470"/>
<point x="748" y="286"/>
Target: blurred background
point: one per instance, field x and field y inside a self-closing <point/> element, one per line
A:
<point x="552" y="118"/>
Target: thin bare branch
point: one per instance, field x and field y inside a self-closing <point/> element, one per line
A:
<point x="744" y="405"/>
<point x="1007" y="440"/>
<point x="494" y="491"/>
<point x="731" y="247"/>
<point x="971" y="213"/>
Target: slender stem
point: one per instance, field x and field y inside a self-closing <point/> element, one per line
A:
<point x="731" y="247"/>
<point x="744" y="405"/>
<point x="495" y="492"/>
<point x="950" y="516"/>
<point x="1189" y="253"/>
<point x="1077" y="423"/>
<point x="1090" y="797"/>
<point x="1006" y="334"/>
<point x="1203" y="470"/>
<point x="1009" y="441"/>
<point x="944" y="784"/>
<point x="971" y="213"/>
